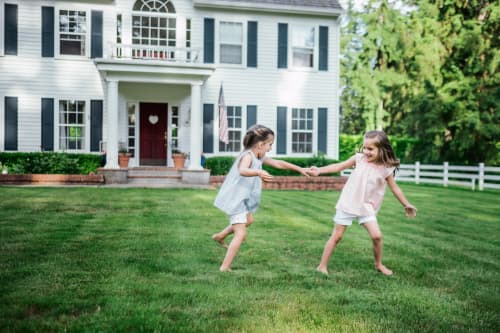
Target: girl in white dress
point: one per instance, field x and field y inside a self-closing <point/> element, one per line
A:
<point x="363" y="193"/>
<point x="239" y="195"/>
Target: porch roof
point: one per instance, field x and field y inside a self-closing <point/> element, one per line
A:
<point x="150" y="71"/>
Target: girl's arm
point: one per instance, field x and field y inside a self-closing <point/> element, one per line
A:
<point x="245" y="169"/>
<point x="335" y="167"/>
<point x="410" y="210"/>
<point x="279" y="164"/>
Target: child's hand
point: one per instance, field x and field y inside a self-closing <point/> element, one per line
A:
<point x="410" y="210"/>
<point x="265" y="176"/>
<point x="305" y="171"/>
<point x="314" y="171"/>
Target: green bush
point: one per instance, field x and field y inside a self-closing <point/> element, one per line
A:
<point x="220" y="165"/>
<point x="50" y="163"/>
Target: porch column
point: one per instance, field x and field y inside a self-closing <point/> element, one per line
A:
<point x="196" y="129"/>
<point x="112" y="112"/>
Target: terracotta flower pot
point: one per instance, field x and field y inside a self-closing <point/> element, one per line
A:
<point x="123" y="160"/>
<point x="179" y="160"/>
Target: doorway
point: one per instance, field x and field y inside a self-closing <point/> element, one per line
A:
<point x="153" y="133"/>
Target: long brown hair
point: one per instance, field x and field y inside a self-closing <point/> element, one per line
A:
<point x="256" y="134"/>
<point x="386" y="153"/>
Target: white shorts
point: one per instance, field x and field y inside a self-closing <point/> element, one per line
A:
<point x="344" y="218"/>
<point x="238" y="218"/>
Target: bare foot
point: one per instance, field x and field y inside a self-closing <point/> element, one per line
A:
<point x="219" y="240"/>
<point x="225" y="270"/>
<point x="384" y="270"/>
<point x="322" y="270"/>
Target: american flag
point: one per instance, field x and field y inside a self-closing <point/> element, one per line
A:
<point x="223" y="128"/>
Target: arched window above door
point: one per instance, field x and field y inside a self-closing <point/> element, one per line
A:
<point x="155" y="6"/>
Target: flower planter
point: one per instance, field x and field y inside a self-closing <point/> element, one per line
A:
<point x="179" y="160"/>
<point x="123" y="160"/>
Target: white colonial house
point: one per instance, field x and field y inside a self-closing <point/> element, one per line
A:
<point x="91" y="76"/>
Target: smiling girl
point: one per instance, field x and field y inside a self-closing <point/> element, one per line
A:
<point x="239" y="195"/>
<point x="363" y="193"/>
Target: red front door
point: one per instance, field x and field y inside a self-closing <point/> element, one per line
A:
<point x="153" y="122"/>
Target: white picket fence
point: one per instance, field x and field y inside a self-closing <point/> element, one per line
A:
<point x="480" y="176"/>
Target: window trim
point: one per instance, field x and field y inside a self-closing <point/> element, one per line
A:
<point x="57" y="37"/>
<point x="315" y="58"/>
<point x="217" y="52"/>
<point x="57" y="124"/>
<point x="289" y="135"/>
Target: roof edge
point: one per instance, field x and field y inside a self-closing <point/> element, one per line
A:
<point x="318" y="11"/>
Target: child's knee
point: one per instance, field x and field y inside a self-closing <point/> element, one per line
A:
<point x="377" y="237"/>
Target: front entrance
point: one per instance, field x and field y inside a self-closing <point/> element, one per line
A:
<point x="153" y="133"/>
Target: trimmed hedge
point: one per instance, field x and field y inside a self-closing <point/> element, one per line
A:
<point x="50" y="163"/>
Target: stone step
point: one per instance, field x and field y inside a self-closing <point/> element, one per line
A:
<point x="154" y="181"/>
<point x="159" y="172"/>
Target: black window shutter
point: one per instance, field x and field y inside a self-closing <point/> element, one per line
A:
<point x="208" y="128"/>
<point x="208" y="41"/>
<point x="281" y="130"/>
<point x="252" y="44"/>
<point x="47" y="124"/>
<point x="95" y="124"/>
<point x="322" y="129"/>
<point x="251" y="115"/>
<point x="323" y="49"/>
<point x="10" y="26"/>
<point x="10" y="123"/>
<point x="96" y="34"/>
<point x="282" y="45"/>
<point x="47" y="31"/>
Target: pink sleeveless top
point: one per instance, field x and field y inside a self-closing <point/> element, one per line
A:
<point x="364" y="191"/>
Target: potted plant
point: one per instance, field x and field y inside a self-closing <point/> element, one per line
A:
<point x="123" y="157"/>
<point x="179" y="158"/>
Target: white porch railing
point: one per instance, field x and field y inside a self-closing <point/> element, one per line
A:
<point x="445" y="174"/>
<point x="159" y="53"/>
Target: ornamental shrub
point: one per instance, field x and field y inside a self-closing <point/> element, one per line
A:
<point x="50" y="163"/>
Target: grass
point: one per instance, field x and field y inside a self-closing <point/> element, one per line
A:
<point x="141" y="260"/>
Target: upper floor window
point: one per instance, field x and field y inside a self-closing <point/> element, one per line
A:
<point x="152" y="26"/>
<point x="234" y="124"/>
<point x="303" y="47"/>
<point x="231" y="42"/>
<point x="72" y="32"/>
<point x="302" y="130"/>
<point x="71" y="125"/>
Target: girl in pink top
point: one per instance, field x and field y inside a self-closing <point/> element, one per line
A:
<point x="363" y="193"/>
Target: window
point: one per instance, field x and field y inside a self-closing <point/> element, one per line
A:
<point x="234" y="124"/>
<point x="2" y="27"/>
<point x="119" y="29"/>
<point x="302" y="130"/>
<point x="72" y="32"/>
<point x="231" y="43"/>
<point x="303" y="47"/>
<point x="175" y="128"/>
<point x="153" y="25"/>
<point x="131" y="129"/>
<point x="71" y="125"/>
<point x="188" y="39"/>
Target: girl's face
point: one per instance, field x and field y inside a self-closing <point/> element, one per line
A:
<point x="265" y="146"/>
<point x="370" y="150"/>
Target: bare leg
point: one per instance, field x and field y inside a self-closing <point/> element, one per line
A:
<point x="240" y="232"/>
<point x="220" y="236"/>
<point x="331" y="244"/>
<point x="376" y="236"/>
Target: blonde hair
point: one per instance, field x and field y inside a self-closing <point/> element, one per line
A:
<point x="386" y="153"/>
<point x="256" y="134"/>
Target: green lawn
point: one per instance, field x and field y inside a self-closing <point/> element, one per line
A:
<point x="141" y="260"/>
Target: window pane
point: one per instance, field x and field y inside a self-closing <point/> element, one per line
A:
<point x="230" y="54"/>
